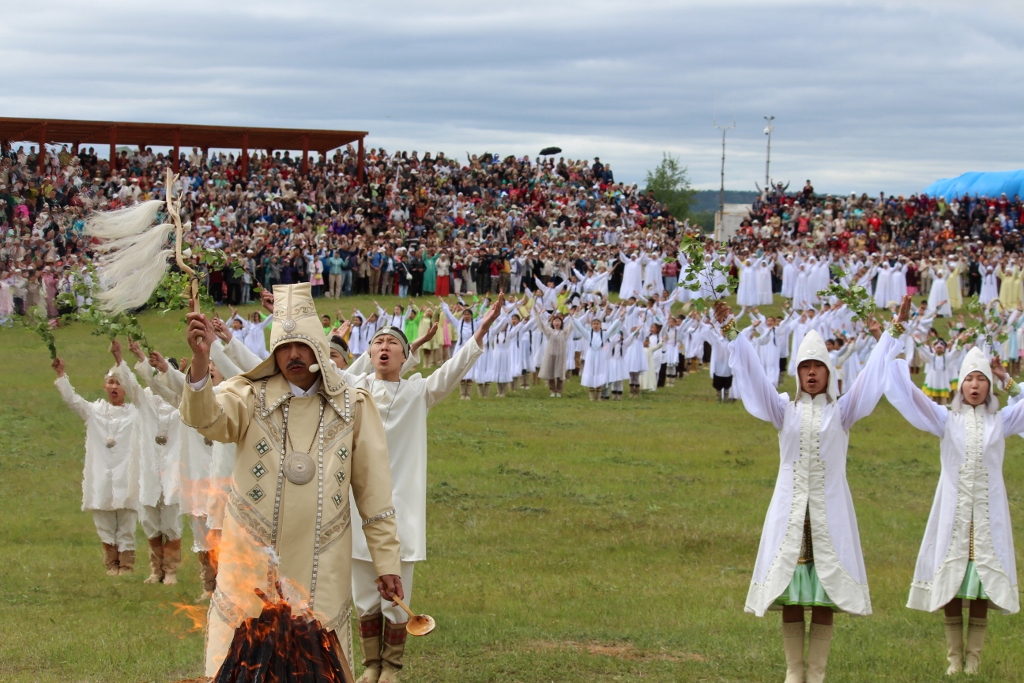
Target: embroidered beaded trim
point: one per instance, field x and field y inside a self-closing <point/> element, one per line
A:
<point x="377" y="518"/>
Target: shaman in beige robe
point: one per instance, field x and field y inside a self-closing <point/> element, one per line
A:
<point x="274" y="528"/>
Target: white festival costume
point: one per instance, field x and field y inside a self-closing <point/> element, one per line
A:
<point x="106" y="480"/>
<point x="971" y="487"/>
<point x="813" y="439"/>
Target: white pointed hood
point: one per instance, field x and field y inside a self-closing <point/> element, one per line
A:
<point x="813" y="348"/>
<point x="976" y="360"/>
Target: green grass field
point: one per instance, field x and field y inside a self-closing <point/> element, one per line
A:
<point x="569" y="541"/>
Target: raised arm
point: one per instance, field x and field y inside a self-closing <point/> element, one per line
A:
<point x="867" y="389"/>
<point x="916" y="408"/>
<point x="759" y="397"/>
<point x="79" y="405"/>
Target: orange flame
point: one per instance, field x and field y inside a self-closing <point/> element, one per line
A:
<point x="195" y="613"/>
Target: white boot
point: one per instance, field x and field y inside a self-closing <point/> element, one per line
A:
<point x="793" y="635"/>
<point x="975" y="639"/>
<point x="955" y="645"/>
<point x="817" y="652"/>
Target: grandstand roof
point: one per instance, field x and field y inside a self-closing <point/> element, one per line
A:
<point x="175" y="135"/>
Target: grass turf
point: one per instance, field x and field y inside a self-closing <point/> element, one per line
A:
<point x="569" y="541"/>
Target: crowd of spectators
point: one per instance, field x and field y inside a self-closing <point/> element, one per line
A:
<point x="433" y="224"/>
<point x="418" y="225"/>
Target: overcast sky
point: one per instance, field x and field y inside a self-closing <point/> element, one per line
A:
<point x="868" y="95"/>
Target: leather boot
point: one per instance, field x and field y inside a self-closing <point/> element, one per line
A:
<point x="975" y="639"/>
<point x="207" y="575"/>
<point x="817" y="652"/>
<point x="793" y="635"/>
<point x="125" y="562"/>
<point x="110" y="559"/>
<point x="371" y="630"/>
<point x="955" y="645"/>
<point x="172" y="560"/>
<point x="392" y="652"/>
<point x="156" y="560"/>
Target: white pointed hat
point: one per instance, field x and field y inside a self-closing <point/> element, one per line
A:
<point x="976" y="361"/>
<point x="813" y="348"/>
<point x="296" y="320"/>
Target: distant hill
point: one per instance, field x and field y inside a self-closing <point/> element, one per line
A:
<point x="707" y="200"/>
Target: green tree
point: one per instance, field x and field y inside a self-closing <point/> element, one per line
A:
<point x="671" y="186"/>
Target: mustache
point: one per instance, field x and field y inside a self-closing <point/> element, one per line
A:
<point x="296" y="364"/>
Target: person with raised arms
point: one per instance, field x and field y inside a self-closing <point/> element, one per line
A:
<point x="967" y="552"/>
<point x="810" y="555"/>
<point x="403" y="405"/>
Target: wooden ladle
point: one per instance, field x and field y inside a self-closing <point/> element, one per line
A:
<point x="418" y="624"/>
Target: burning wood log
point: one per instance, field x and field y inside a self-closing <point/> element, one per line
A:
<point x="281" y="647"/>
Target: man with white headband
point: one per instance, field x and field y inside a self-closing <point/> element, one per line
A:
<point x="967" y="552"/>
<point x="304" y="440"/>
<point x="403" y="405"/>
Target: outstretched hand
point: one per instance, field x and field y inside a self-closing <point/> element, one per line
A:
<point x="424" y="338"/>
<point x="222" y="331"/>
<point x="58" y="366"/>
<point x="904" y="312"/>
<point x="489" y="317"/>
<point x="998" y="370"/>
<point x="875" y="328"/>
<point x="196" y="335"/>
<point x="157" y="361"/>
<point x="722" y="311"/>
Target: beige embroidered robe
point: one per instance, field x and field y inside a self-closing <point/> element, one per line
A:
<point x="303" y="529"/>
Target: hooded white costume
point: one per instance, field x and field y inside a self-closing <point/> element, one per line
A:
<point x="813" y="439"/>
<point x="970" y="491"/>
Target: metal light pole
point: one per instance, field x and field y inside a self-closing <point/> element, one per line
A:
<point x="721" y="191"/>
<point x="768" y="160"/>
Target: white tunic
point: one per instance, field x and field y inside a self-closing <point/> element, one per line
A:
<point x="403" y="407"/>
<point x="156" y="440"/>
<point x="105" y="478"/>
<point x="813" y="439"/>
<point x="970" y="487"/>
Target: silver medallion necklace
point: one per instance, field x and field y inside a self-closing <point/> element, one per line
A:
<point x="299" y="467"/>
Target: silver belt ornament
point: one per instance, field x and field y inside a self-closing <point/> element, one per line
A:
<point x="111" y="442"/>
<point x="299" y="468"/>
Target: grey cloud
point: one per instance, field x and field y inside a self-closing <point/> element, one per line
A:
<point x="871" y="96"/>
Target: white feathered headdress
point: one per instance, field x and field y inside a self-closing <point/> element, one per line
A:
<point x="133" y="254"/>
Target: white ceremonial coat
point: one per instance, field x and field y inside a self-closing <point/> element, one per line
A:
<point x="813" y="438"/>
<point x="105" y="477"/>
<point x="157" y="467"/>
<point x="403" y="407"/>
<point x="970" y="486"/>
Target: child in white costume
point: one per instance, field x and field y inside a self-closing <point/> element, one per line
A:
<point x="106" y="478"/>
<point x="156" y="441"/>
<point x="967" y="552"/>
<point x="810" y="554"/>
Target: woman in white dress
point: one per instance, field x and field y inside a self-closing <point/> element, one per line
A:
<point x="597" y="353"/>
<point x="938" y="297"/>
<point x="989" y="284"/>
<point x="810" y="555"/>
<point x="967" y="551"/>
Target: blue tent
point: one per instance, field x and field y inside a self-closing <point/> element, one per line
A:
<point x="979" y="184"/>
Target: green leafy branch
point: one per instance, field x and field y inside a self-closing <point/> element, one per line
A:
<point x="702" y="271"/>
<point x="982" y="324"/>
<point x="855" y="297"/>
